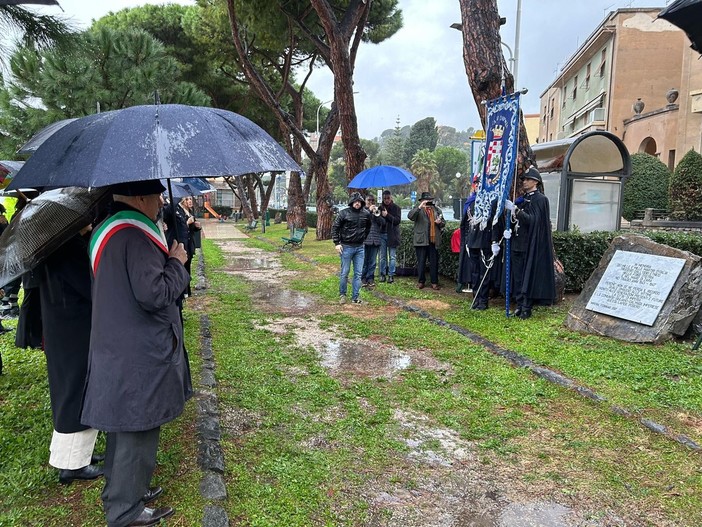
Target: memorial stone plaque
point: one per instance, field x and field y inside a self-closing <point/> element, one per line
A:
<point x="635" y="286"/>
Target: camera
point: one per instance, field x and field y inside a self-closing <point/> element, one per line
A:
<point x="378" y="210"/>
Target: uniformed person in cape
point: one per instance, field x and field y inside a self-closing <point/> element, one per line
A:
<point x="533" y="281"/>
<point x="138" y="372"/>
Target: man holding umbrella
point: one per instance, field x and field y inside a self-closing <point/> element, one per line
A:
<point x="138" y="376"/>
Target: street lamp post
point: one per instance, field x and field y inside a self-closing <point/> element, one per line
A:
<point x="319" y="108"/>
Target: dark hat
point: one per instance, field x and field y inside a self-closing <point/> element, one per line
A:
<point x="426" y="196"/>
<point x="532" y="173"/>
<point x="138" y="188"/>
<point x="356" y="196"/>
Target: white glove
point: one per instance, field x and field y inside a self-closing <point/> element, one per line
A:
<point x="495" y="248"/>
<point x="507" y="234"/>
<point x="509" y="205"/>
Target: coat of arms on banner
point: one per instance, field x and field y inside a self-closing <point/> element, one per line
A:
<point x="494" y="156"/>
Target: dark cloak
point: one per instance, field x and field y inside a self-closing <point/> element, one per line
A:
<point x="533" y="237"/>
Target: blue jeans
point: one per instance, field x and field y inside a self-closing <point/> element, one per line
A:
<point x="369" y="263"/>
<point x="388" y="257"/>
<point x="350" y="254"/>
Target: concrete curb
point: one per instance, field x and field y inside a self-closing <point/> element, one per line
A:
<point x="210" y="455"/>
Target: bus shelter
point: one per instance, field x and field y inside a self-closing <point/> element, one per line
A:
<point x="583" y="179"/>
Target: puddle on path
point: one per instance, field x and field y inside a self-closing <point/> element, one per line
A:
<point x="253" y="263"/>
<point x="282" y="300"/>
<point x="348" y="357"/>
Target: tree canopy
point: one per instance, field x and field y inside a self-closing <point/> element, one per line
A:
<point x="106" y="70"/>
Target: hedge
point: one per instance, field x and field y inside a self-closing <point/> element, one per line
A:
<point x="686" y="188"/>
<point x="647" y="187"/>
<point x="579" y="252"/>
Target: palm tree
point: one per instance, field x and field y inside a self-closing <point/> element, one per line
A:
<point x="42" y="30"/>
<point x="424" y="168"/>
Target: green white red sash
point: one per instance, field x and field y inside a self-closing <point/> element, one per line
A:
<point x="125" y="219"/>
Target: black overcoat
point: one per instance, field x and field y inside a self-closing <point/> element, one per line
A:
<point x="138" y="372"/>
<point x="64" y="285"/>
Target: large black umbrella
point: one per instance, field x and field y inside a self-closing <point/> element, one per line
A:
<point x="152" y="142"/>
<point x="43" y="225"/>
<point x="687" y="15"/>
<point x="18" y="2"/>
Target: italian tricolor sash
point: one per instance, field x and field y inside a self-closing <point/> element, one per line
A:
<point x="123" y="220"/>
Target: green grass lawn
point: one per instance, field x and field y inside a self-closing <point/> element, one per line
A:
<point x="303" y="446"/>
<point x="550" y="439"/>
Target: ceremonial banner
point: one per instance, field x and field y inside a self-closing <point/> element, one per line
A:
<point x="501" y="148"/>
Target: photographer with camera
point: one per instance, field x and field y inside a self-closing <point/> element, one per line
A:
<point x="389" y="238"/>
<point x="429" y="223"/>
<point x="372" y="243"/>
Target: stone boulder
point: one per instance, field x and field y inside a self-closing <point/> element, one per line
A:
<point x="674" y="318"/>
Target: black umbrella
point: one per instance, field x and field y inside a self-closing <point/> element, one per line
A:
<point x="43" y="225"/>
<point x="152" y="142"/>
<point x="18" y="2"/>
<point x="42" y="135"/>
<point x="687" y="15"/>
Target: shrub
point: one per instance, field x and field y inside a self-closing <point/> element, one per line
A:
<point x="647" y="187"/>
<point x="686" y="187"/>
<point x="222" y="210"/>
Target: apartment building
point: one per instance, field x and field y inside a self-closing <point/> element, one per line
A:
<point x="636" y="77"/>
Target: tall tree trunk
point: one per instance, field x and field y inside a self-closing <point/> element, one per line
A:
<point x="250" y="183"/>
<point x="342" y="57"/>
<point x="237" y="185"/>
<point x="485" y="64"/>
<point x="290" y="125"/>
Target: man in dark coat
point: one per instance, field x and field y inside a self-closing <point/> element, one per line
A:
<point x="64" y="286"/>
<point x="349" y="230"/>
<point x="532" y="248"/>
<point x="372" y="244"/>
<point x="429" y="222"/>
<point x="138" y="373"/>
<point x="390" y="239"/>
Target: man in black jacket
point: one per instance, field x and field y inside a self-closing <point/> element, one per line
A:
<point x="349" y="231"/>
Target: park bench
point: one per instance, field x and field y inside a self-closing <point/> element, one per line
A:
<point x="251" y="226"/>
<point x="295" y="239"/>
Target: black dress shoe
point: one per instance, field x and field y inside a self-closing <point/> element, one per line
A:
<point x="97" y="458"/>
<point x="66" y="477"/>
<point x="151" y="516"/>
<point x="525" y="314"/>
<point x="151" y="495"/>
<point x="390" y="279"/>
<point x="517" y="312"/>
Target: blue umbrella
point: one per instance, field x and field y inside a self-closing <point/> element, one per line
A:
<point x="152" y="142"/>
<point x="199" y="184"/>
<point x="181" y="189"/>
<point x="381" y="176"/>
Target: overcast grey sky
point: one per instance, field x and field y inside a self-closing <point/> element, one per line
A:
<point x="419" y="72"/>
